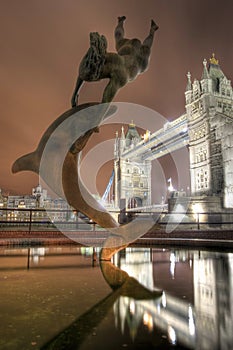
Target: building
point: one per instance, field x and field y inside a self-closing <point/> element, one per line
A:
<point x="40" y="195"/>
<point x="3" y="200"/>
<point x="209" y="107"/>
<point x="132" y="176"/>
<point x="43" y="207"/>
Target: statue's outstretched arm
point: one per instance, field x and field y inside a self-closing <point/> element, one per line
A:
<point x="119" y="31"/>
<point x="149" y="39"/>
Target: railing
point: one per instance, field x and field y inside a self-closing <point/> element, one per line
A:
<point x="70" y="220"/>
<point x="34" y="219"/>
<point x="184" y="220"/>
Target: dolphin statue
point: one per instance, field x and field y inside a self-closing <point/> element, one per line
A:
<point x="58" y="154"/>
<point x="57" y="161"/>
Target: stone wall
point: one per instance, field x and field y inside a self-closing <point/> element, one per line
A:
<point x="224" y="133"/>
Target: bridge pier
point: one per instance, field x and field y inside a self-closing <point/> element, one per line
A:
<point x="204" y="210"/>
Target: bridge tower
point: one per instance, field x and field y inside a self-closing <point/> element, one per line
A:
<point x="209" y="107"/>
<point x="132" y="175"/>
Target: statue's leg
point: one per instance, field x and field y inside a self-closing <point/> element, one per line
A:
<point x="119" y="31"/>
<point x="111" y="89"/>
<point x="149" y="39"/>
<point x="74" y="98"/>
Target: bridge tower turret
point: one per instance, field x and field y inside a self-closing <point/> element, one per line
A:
<point x="209" y="107"/>
<point x="132" y="174"/>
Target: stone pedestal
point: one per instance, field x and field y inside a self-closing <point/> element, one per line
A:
<point x="203" y="209"/>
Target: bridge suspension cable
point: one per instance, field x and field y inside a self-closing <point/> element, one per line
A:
<point x="106" y="192"/>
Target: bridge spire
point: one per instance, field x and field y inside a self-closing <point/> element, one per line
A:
<point x="213" y="60"/>
<point x="205" y="74"/>
<point x="122" y="133"/>
<point x="189" y="83"/>
<point x="122" y="139"/>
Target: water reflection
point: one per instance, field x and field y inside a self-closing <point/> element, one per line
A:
<point x="74" y="308"/>
<point x="199" y="319"/>
<point x="172" y="315"/>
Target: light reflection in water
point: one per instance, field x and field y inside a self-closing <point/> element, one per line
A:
<point x="206" y="322"/>
<point x="172" y="264"/>
<point x="171" y="334"/>
<point x="37" y="254"/>
<point x="194" y="311"/>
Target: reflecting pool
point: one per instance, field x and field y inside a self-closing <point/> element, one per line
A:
<point x="62" y="297"/>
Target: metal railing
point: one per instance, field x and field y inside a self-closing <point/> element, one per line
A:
<point x="66" y="219"/>
<point x="34" y="219"/>
<point x="184" y="220"/>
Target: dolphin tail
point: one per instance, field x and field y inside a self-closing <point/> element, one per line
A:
<point x="28" y="162"/>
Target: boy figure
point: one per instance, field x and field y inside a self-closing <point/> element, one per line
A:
<point x="131" y="59"/>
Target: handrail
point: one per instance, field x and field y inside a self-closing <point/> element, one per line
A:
<point x="29" y="217"/>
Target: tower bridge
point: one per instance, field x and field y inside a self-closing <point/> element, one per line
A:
<point x="173" y="136"/>
<point x="206" y="128"/>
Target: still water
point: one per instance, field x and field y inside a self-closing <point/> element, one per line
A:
<point x="147" y="298"/>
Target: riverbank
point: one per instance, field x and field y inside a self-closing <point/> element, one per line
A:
<point x="198" y="238"/>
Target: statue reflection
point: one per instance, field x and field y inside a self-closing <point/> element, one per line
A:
<point x="122" y="285"/>
<point x="204" y="321"/>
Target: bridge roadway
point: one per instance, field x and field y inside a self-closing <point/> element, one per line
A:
<point x="150" y="209"/>
<point x="173" y="136"/>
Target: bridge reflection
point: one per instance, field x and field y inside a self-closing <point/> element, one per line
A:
<point x="194" y="311"/>
<point x="202" y="318"/>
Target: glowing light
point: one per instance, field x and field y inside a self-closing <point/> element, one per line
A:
<point x="191" y="327"/>
<point x="86" y="250"/>
<point x="185" y="129"/>
<point x="197" y="209"/>
<point x="172" y="264"/>
<point x="170" y="187"/>
<point x="35" y="259"/>
<point x="164" y="300"/>
<point x="37" y="254"/>
<point x="172" y="335"/>
<point x="148" y="320"/>
<point x="190" y="312"/>
<point x="132" y="307"/>
<point x="21" y="204"/>
<point x="190" y="263"/>
<point x="191" y="322"/>
<point x="146" y="136"/>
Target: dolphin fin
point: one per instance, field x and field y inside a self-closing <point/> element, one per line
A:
<point x="30" y="162"/>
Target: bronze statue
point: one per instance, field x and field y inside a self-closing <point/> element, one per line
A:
<point x="57" y="156"/>
<point x="131" y="59"/>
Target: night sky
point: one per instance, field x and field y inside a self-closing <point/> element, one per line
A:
<point x="42" y="43"/>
